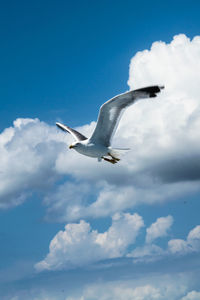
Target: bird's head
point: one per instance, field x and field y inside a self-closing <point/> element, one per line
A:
<point x="74" y="145"/>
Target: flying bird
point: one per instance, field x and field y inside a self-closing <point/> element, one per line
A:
<point x="99" y="144"/>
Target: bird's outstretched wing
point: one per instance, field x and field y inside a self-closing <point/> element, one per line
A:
<point x="77" y="135"/>
<point x="110" y="112"/>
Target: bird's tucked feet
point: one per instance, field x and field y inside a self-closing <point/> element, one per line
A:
<point x="112" y="161"/>
<point x="115" y="158"/>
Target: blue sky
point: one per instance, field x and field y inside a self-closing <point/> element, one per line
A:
<point x="135" y="226"/>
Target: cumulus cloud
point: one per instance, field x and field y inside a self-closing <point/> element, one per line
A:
<point x="193" y="295"/>
<point x="150" y="252"/>
<point x="176" y="247"/>
<point x="163" y="133"/>
<point x="174" y="119"/>
<point x="159" y="228"/>
<point x="130" y="289"/>
<point x="28" y="152"/>
<point x="162" y="287"/>
<point x="146" y="292"/>
<point x="119" y="293"/>
<point x="191" y="244"/>
<point x="79" y="245"/>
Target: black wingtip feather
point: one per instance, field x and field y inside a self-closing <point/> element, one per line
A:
<point x="151" y="90"/>
<point x="152" y="95"/>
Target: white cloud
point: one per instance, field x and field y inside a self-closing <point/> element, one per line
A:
<point x="79" y="245"/>
<point x="40" y="296"/>
<point x="194" y="234"/>
<point x="157" y="287"/>
<point x="146" y="292"/>
<point x="147" y="285"/>
<point x="28" y="151"/>
<point x="153" y="289"/>
<point x="159" y="228"/>
<point x="150" y="252"/>
<point x="193" y="295"/>
<point x="178" y="246"/>
<point x="103" y="195"/>
<point x="191" y="244"/>
<point x="68" y="201"/>
<point x="163" y="134"/>
<point x="147" y="253"/>
<point x="174" y="289"/>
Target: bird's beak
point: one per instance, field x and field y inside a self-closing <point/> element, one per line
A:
<point x="71" y="146"/>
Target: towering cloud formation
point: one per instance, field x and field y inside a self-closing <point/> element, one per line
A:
<point x="78" y="245"/>
<point x="163" y="133"/>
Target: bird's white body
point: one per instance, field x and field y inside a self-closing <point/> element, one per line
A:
<point x="98" y="145"/>
<point x="90" y="149"/>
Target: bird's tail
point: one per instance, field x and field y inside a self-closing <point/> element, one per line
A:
<point x="118" y="152"/>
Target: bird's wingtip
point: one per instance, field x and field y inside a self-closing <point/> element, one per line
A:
<point x="59" y="124"/>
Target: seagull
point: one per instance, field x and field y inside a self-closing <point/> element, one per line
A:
<point x="99" y="144"/>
